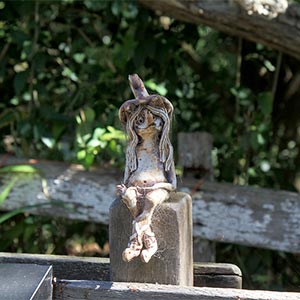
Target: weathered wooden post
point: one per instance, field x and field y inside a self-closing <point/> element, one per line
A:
<point x="195" y="157"/>
<point x="149" y="213"/>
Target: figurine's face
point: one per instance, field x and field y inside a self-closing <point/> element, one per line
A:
<point x="146" y="122"/>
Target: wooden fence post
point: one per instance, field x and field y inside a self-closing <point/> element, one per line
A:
<point x="194" y="155"/>
<point x="172" y="225"/>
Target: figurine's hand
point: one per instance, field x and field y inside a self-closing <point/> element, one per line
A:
<point x="121" y="189"/>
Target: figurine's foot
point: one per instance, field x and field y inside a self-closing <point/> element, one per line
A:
<point x="134" y="248"/>
<point x="129" y="253"/>
<point x="150" y="244"/>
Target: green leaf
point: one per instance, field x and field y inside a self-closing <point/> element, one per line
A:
<point x="19" y="169"/>
<point x="96" y="5"/>
<point x="90" y="114"/>
<point x="49" y="142"/>
<point x="93" y="143"/>
<point x="265" y="166"/>
<point x="260" y="139"/>
<point x="159" y="88"/>
<point x="23" y="209"/>
<point x="88" y="160"/>
<point x="265" y="103"/>
<point x="9" y="215"/>
<point x="79" y="57"/>
<point x="7" y="117"/>
<point x="81" y="154"/>
<point x="113" y="134"/>
<point x="20" y="82"/>
<point x="98" y="132"/>
<point x="269" y="65"/>
<point x="116" y="8"/>
<point x="70" y="74"/>
<point x="4" y="194"/>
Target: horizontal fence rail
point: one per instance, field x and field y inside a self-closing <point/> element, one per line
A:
<point x="221" y="212"/>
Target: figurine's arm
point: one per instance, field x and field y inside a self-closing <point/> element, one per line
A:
<point x="171" y="176"/>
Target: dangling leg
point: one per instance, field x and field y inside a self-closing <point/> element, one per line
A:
<point x="135" y="245"/>
<point x="144" y="220"/>
<point x="150" y="245"/>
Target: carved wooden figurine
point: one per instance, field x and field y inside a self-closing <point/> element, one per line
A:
<point x="149" y="173"/>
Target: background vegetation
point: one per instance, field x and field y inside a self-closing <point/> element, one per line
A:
<point x="63" y="75"/>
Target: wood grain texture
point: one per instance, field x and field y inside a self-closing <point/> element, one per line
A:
<point x="221" y="212"/>
<point x="281" y="33"/>
<point x="172" y="226"/>
<point x="194" y="150"/>
<point x="89" y="268"/>
<point x="248" y="215"/>
<point x="194" y="155"/>
<point x="64" y="267"/>
<point x="119" y="290"/>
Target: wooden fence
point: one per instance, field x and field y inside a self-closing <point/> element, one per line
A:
<point x="88" y="279"/>
<point x="222" y="212"/>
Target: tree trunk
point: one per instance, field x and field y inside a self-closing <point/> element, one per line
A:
<point x="281" y="32"/>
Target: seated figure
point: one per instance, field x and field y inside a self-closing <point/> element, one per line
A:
<point x="149" y="173"/>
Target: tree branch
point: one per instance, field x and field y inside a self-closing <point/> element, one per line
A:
<point x="281" y="33"/>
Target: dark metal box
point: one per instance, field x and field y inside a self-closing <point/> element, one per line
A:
<point x="25" y="282"/>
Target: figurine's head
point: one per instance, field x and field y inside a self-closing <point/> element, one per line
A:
<point x="131" y="107"/>
<point x="147" y="119"/>
<point x="146" y="116"/>
<point x="147" y="124"/>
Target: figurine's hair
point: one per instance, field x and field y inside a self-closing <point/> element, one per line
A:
<point x="165" y="146"/>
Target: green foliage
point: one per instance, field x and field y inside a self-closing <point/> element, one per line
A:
<point x="4" y="194"/>
<point x="263" y="269"/>
<point x="13" y="169"/>
<point x="19" y="169"/>
<point x="37" y="234"/>
<point x="63" y="76"/>
<point x="91" y="142"/>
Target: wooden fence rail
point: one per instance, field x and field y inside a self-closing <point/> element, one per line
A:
<point x="221" y="212"/>
<point x="91" y="290"/>
<point x="95" y="268"/>
<point x="88" y="279"/>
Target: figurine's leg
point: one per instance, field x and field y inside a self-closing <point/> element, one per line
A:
<point x="129" y="197"/>
<point x="136" y="241"/>
<point x="134" y="248"/>
<point x="152" y="199"/>
<point x="135" y="244"/>
<point x="150" y="245"/>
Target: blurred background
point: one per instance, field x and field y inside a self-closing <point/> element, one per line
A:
<point x="63" y="76"/>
